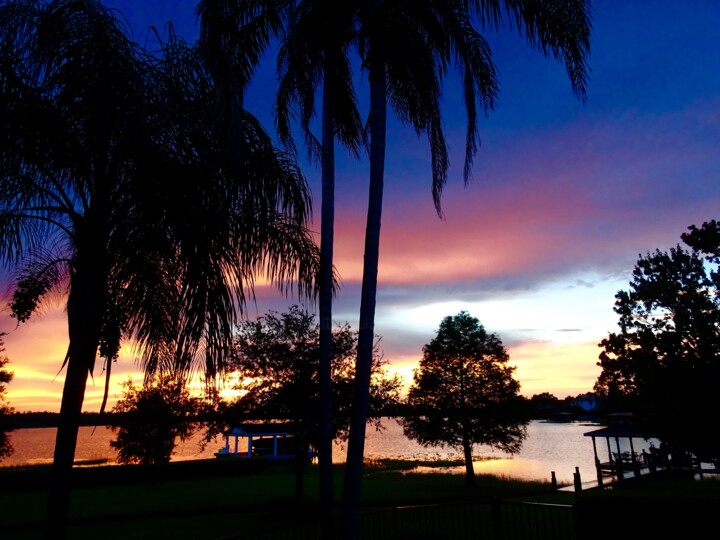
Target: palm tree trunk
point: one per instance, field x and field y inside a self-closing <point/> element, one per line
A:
<point x="65" y="443"/>
<point x="358" y="423"/>
<point x="84" y="316"/>
<point x="85" y="308"/>
<point x="327" y="233"/>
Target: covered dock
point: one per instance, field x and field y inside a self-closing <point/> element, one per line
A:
<point x="611" y="459"/>
<point x="618" y="457"/>
<point x="274" y="441"/>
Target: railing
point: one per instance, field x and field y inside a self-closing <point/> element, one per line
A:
<point x="486" y="520"/>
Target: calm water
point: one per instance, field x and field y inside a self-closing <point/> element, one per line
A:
<point x="548" y="447"/>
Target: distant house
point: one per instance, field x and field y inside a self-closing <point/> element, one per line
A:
<point x="586" y="402"/>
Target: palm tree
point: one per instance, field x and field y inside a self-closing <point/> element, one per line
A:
<point x="117" y="189"/>
<point x="314" y="53"/>
<point x="314" y="39"/>
<point x="407" y="46"/>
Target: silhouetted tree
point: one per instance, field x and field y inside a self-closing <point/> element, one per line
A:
<point x="664" y="362"/>
<point x="544" y="405"/>
<point x="315" y="53"/>
<point x="150" y="418"/>
<point x="277" y="357"/>
<point x="464" y="393"/>
<point x="5" y="410"/>
<point x="118" y="189"/>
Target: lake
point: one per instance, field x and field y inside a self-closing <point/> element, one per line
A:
<point x="558" y="447"/>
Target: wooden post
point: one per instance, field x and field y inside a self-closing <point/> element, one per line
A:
<point x="635" y="464"/>
<point x="610" y="456"/>
<point x="598" y="470"/>
<point x="618" y="462"/>
<point x="577" y="480"/>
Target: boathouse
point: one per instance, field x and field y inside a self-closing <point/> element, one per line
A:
<point x="273" y="441"/>
<point x="610" y="458"/>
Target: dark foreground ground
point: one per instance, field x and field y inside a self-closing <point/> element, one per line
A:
<point x="211" y="500"/>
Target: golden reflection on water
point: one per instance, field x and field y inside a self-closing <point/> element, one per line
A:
<point x="512" y="468"/>
<point x="549" y="448"/>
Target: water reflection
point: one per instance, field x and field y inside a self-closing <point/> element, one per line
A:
<point x="558" y="447"/>
<point x="549" y="447"/>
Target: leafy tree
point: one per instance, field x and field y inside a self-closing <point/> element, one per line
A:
<point x="118" y="189"/>
<point x="544" y="405"/>
<point x="5" y="410"/>
<point x="664" y="362"/>
<point x="544" y="399"/>
<point x="278" y="356"/>
<point x="150" y="418"/>
<point x="464" y="392"/>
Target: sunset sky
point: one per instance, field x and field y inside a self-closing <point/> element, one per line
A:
<point x="565" y="197"/>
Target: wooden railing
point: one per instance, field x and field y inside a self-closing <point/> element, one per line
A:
<point x="486" y="520"/>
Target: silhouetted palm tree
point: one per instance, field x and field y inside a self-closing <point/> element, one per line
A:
<point x="407" y="46"/>
<point x="314" y="37"/>
<point x="314" y="53"/>
<point x="118" y="189"/>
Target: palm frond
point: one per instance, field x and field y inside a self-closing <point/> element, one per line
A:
<point x="558" y="28"/>
<point x="317" y="40"/>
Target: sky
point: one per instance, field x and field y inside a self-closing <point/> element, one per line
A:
<point x="565" y="197"/>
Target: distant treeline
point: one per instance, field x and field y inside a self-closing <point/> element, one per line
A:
<point x="46" y="419"/>
<point x="50" y="419"/>
<point x="540" y="406"/>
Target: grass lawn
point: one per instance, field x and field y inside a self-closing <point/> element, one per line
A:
<point x="213" y="500"/>
<point x="181" y="502"/>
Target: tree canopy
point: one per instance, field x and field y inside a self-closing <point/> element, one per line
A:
<point x="464" y="394"/>
<point x="664" y="362"/>
<point x="150" y="418"/>
<point x="277" y="358"/>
